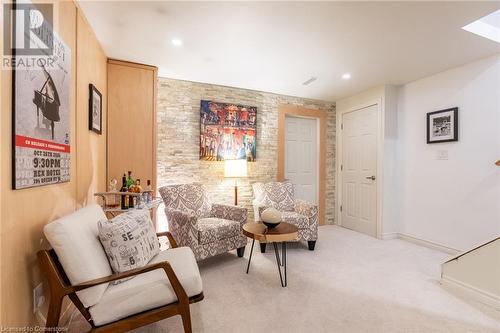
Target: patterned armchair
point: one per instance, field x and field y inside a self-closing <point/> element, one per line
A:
<point x="297" y="212"/>
<point x="208" y="229"/>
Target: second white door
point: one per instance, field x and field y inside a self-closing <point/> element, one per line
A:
<point x="301" y="156"/>
<point x="359" y="170"/>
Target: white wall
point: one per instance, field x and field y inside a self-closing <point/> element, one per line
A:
<point x="390" y="203"/>
<point x="454" y="202"/>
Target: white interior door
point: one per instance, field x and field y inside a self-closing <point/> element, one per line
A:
<point x="301" y="156"/>
<point x="359" y="170"/>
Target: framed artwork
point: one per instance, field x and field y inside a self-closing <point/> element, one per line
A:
<point x="442" y="126"/>
<point x="227" y="131"/>
<point x="41" y="115"/>
<point x="95" y="109"/>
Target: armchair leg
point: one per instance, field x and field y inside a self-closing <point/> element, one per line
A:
<point x="311" y="245"/>
<point x="186" y="319"/>
<point x="240" y="251"/>
<point x="262" y="247"/>
<point x="54" y="311"/>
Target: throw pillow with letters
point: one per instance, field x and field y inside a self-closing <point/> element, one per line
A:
<point x="129" y="240"/>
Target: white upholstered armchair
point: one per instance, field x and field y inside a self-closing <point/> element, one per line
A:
<point x="280" y="195"/>
<point x="77" y="266"/>
<point x="208" y="229"/>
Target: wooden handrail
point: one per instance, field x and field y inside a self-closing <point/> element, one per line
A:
<point x="467" y="252"/>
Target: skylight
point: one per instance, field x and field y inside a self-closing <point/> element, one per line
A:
<point x="487" y="26"/>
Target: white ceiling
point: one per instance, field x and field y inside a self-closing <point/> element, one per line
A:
<point x="276" y="46"/>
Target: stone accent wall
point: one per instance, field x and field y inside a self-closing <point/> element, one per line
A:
<point x="178" y="120"/>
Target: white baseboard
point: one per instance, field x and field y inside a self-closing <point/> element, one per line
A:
<point x="429" y="244"/>
<point x="389" y="235"/>
<point x="471" y="292"/>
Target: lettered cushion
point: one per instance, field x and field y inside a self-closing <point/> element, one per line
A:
<point x="129" y="240"/>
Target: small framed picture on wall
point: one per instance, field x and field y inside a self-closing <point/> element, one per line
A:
<point x="442" y="126"/>
<point x="95" y="109"/>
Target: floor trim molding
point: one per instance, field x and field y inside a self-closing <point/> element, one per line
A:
<point x="389" y="235"/>
<point x="471" y="292"/>
<point x="429" y="244"/>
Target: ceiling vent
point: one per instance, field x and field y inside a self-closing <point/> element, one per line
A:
<point x="309" y="81"/>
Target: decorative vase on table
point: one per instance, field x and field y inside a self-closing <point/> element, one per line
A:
<point x="271" y="217"/>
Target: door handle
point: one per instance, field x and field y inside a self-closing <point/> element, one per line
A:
<point x="371" y="177"/>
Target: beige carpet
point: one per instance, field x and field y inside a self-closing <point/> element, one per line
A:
<point x="350" y="283"/>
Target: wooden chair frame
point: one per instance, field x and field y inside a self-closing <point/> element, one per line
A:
<point x="60" y="286"/>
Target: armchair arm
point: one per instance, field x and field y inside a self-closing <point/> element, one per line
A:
<point x="182" y="225"/>
<point x="306" y="208"/>
<point x="232" y="213"/>
<point x="118" y="276"/>
<point x="165" y="265"/>
<point x="171" y="240"/>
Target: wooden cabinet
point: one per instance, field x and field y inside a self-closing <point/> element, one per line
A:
<point x="131" y="131"/>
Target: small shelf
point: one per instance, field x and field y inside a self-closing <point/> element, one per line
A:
<point x="150" y="205"/>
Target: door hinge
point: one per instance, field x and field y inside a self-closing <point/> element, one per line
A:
<point x="341" y="167"/>
<point x="341" y="126"/>
<point x="340" y="207"/>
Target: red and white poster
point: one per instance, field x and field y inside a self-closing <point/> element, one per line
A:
<point x="42" y="121"/>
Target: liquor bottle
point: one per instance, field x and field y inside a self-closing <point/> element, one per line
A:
<point x="124" y="197"/>
<point x="132" y="199"/>
<point x="137" y="187"/>
<point x="130" y="181"/>
<point x="149" y="191"/>
<point x="113" y="200"/>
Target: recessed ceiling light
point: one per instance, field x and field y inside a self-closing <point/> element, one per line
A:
<point x="346" y="76"/>
<point x="177" y="42"/>
<point x="487" y="26"/>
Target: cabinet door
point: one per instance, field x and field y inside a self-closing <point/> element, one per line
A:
<point x="131" y="121"/>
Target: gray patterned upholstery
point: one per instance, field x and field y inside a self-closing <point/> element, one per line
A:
<point x="213" y="229"/>
<point x="189" y="198"/>
<point x="275" y="194"/>
<point x="208" y="229"/>
<point x="280" y="195"/>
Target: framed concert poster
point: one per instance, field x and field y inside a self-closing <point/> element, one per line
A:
<point x="41" y="110"/>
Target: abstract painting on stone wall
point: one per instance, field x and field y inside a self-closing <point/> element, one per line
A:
<point x="227" y="131"/>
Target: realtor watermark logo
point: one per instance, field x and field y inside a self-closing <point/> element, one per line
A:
<point x="28" y="36"/>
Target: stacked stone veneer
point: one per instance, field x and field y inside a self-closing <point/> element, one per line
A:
<point x="179" y="130"/>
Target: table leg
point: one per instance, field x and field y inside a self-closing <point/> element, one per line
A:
<point x="250" y="258"/>
<point x="283" y="258"/>
<point x="278" y="262"/>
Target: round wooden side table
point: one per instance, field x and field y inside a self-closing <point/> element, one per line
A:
<point x="283" y="233"/>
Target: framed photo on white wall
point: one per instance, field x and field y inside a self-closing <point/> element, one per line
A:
<point x="442" y="126"/>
